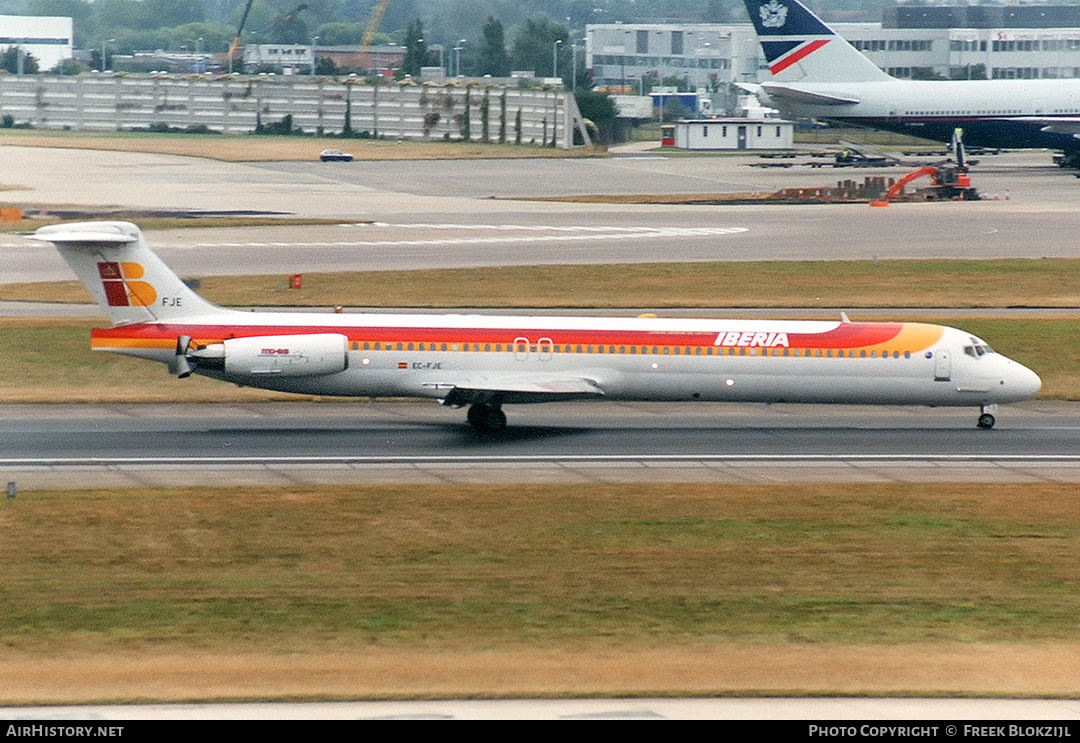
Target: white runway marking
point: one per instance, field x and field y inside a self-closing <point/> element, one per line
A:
<point x="547" y="234"/>
<point x="532" y="234"/>
<point x="423" y="459"/>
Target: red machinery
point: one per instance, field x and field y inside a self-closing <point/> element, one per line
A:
<point x="950" y="181"/>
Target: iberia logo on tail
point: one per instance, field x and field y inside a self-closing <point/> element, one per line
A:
<point x="122" y="285"/>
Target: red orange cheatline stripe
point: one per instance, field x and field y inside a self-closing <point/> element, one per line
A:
<point x="798" y="54"/>
<point x="903" y="337"/>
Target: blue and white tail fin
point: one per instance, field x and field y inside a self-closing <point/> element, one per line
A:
<point x="799" y="47"/>
<point x="123" y="275"/>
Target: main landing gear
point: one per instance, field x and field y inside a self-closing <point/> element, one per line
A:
<point x="986" y="419"/>
<point x="487" y="418"/>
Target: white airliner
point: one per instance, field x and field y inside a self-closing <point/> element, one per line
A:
<point x="817" y="74"/>
<point x="488" y="361"/>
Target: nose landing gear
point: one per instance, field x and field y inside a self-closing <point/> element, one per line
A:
<point x="986" y="418"/>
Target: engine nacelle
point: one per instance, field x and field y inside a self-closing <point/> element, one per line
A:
<point x="287" y="355"/>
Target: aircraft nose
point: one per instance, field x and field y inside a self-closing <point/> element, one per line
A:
<point x="1021" y="381"/>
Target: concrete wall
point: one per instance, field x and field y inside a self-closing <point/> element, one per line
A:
<point x="236" y="104"/>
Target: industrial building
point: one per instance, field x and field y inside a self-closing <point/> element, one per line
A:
<point x="733" y="134"/>
<point x="911" y="41"/>
<point x="46" y="38"/>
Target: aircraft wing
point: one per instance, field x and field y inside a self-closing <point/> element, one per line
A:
<point x="1060" y="125"/>
<point x="515" y="388"/>
<point x="802" y="95"/>
<point x="752" y="88"/>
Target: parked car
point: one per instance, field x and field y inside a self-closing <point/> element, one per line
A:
<point x="335" y="155"/>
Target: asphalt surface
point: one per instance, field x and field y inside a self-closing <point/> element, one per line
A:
<point x="55" y="446"/>
<point x="440" y="214"/>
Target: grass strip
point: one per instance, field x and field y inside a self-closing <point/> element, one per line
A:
<point x="439" y="567"/>
<point x="1048" y="282"/>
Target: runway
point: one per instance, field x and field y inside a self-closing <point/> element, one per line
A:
<point x="433" y="215"/>
<point x="80" y="446"/>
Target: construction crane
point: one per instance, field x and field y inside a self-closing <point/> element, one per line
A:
<point x="243" y="19"/>
<point x="372" y="27"/>
<point x="239" y="31"/>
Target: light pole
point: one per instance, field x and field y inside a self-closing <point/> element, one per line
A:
<point x="459" y="48"/>
<point x="573" y="74"/>
<point x="707" y="59"/>
<point x="555" y="57"/>
<point x="103" y="44"/>
<point x="314" y="41"/>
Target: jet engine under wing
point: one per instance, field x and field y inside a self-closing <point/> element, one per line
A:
<point x="523" y="388"/>
<point x="799" y="95"/>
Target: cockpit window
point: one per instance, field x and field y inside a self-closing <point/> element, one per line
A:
<point x="977" y="348"/>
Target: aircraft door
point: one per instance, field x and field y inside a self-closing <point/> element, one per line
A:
<point x="943" y="366"/>
<point x="521" y="349"/>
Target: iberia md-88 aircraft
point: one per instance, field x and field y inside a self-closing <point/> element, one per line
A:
<point x="486" y="362"/>
<point x="816" y="74"/>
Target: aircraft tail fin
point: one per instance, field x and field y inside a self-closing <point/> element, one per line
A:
<point x="799" y="47"/>
<point x="128" y="281"/>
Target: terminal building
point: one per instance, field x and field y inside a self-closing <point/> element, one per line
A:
<point x="926" y="41"/>
<point x="1000" y="42"/>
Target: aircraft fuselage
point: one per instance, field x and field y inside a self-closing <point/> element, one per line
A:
<point x="496" y="359"/>
<point x="990" y="112"/>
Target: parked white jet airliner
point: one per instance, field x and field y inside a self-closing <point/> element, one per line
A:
<point x="485" y="362"/>
<point x="817" y="74"/>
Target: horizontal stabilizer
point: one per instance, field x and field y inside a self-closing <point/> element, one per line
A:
<point x="91" y="234"/>
<point x="797" y="95"/>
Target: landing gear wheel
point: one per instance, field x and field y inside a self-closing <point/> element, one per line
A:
<point x="986" y="421"/>
<point x="487" y="418"/>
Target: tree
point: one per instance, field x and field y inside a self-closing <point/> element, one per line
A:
<point x="290" y="28"/>
<point x="535" y="49"/>
<point x="600" y="109"/>
<point x="9" y="61"/>
<point x="160" y="13"/>
<point x="416" y="53"/>
<point x="340" y="34"/>
<point x="494" y="60"/>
